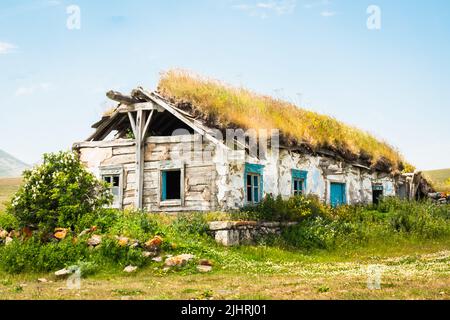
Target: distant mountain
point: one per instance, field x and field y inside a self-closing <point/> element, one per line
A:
<point x="11" y="166"/>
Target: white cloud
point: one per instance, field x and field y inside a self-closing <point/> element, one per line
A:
<point x="264" y="9"/>
<point x="27" y="91"/>
<point x="327" y="14"/>
<point x="6" y="47"/>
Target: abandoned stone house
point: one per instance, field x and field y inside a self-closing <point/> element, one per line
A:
<point x="136" y="148"/>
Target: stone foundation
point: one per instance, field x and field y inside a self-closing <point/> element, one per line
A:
<point x="234" y="233"/>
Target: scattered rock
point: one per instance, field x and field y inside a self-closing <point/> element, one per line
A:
<point x="205" y="262"/>
<point x="123" y="241"/>
<point x="14" y="234"/>
<point x="60" y="233"/>
<point x="154" y="243"/>
<point x="147" y="254"/>
<point x="95" y="240"/>
<point x="135" y="244"/>
<point x="42" y="280"/>
<point x="8" y="240"/>
<point x="130" y="269"/>
<point x="180" y="260"/>
<point x="86" y="231"/>
<point x="63" y="272"/>
<point x="3" y="234"/>
<point x="157" y="259"/>
<point x="27" y="232"/>
<point x="203" y="268"/>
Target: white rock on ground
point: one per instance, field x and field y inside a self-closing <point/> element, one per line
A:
<point x="95" y="240"/>
<point x="8" y="240"/>
<point x="130" y="269"/>
<point x="205" y="269"/>
<point x="62" y="272"/>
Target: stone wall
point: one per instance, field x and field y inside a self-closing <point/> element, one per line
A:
<point x="233" y="233"/>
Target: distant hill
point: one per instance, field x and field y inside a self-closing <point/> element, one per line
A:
<point x="440" y="179"/>
<point x="11" y="166"/>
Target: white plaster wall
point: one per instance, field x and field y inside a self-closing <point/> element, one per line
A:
<point x="278" y="178"/>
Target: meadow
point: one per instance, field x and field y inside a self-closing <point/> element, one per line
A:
<point x="319" y="259"/>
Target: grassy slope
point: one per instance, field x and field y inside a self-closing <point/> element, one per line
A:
<point x="440" y="179"/>
<point x="241" y="107"/>
<point x="8" y="186"/>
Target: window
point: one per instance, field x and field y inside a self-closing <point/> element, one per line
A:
<point x="299" y="182"/>
<point x="253" y="183"/>
<point x="171" y="185"/>
<point x="113" y="180"/>
<point x="253" y="188"/>
<point x="298" y="186"/>
<point x="377" y="193"/>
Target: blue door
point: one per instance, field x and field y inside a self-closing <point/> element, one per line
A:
<point x="337" y="194"/>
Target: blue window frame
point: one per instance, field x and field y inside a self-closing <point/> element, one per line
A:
<point x="253" y="181"/>
<point x="299" y="181"/>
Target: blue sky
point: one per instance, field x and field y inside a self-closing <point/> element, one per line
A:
<point x="393" y="82"/>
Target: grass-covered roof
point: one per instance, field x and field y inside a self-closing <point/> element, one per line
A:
<point x="227" y="106"/>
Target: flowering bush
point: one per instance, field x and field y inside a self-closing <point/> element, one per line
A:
<point x="58" y="193"/>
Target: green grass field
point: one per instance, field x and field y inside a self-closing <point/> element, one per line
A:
<point x="408" y="270"/>
<point x="420" y="271"/>
<point x="8" y="186"/>
<point x="440" y="179"/>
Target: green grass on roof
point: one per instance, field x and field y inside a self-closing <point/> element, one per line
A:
<point x="235" y="106"/>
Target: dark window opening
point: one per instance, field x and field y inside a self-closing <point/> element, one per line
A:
<point x="253" y="188"/>
<point x="171" y="185"/>
<point x="298" y="187"/>
<point x="377" y="195"/>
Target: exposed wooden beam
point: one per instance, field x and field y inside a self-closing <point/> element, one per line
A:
<point x="119" y="97"/>
<point x="133" y="124"/>
<point x="140" y="120"/>
<point x="147" y="123"/>
<point x="140" y="106"/>
<point x="106" y="125"/>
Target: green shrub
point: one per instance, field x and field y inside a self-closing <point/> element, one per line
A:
<point x="193" y="224"/>
<point x="109" y="252"/>
<point x="277" y="209"/>
<point x="8" y="221"/>
<point x="58" y="193"/>
<point x="32" y="255"/>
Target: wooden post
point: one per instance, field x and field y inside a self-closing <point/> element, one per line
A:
<point x="140" y="121"/>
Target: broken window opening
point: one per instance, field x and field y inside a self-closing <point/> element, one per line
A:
<point x="298" y="186"/>
<point x="171" y="185"/>
<point x="114" y="187"/>
<point x="253" y="189"/>
<point x="377" y="194"/>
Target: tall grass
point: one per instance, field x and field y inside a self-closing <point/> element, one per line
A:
<point x="233" y="106"/>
